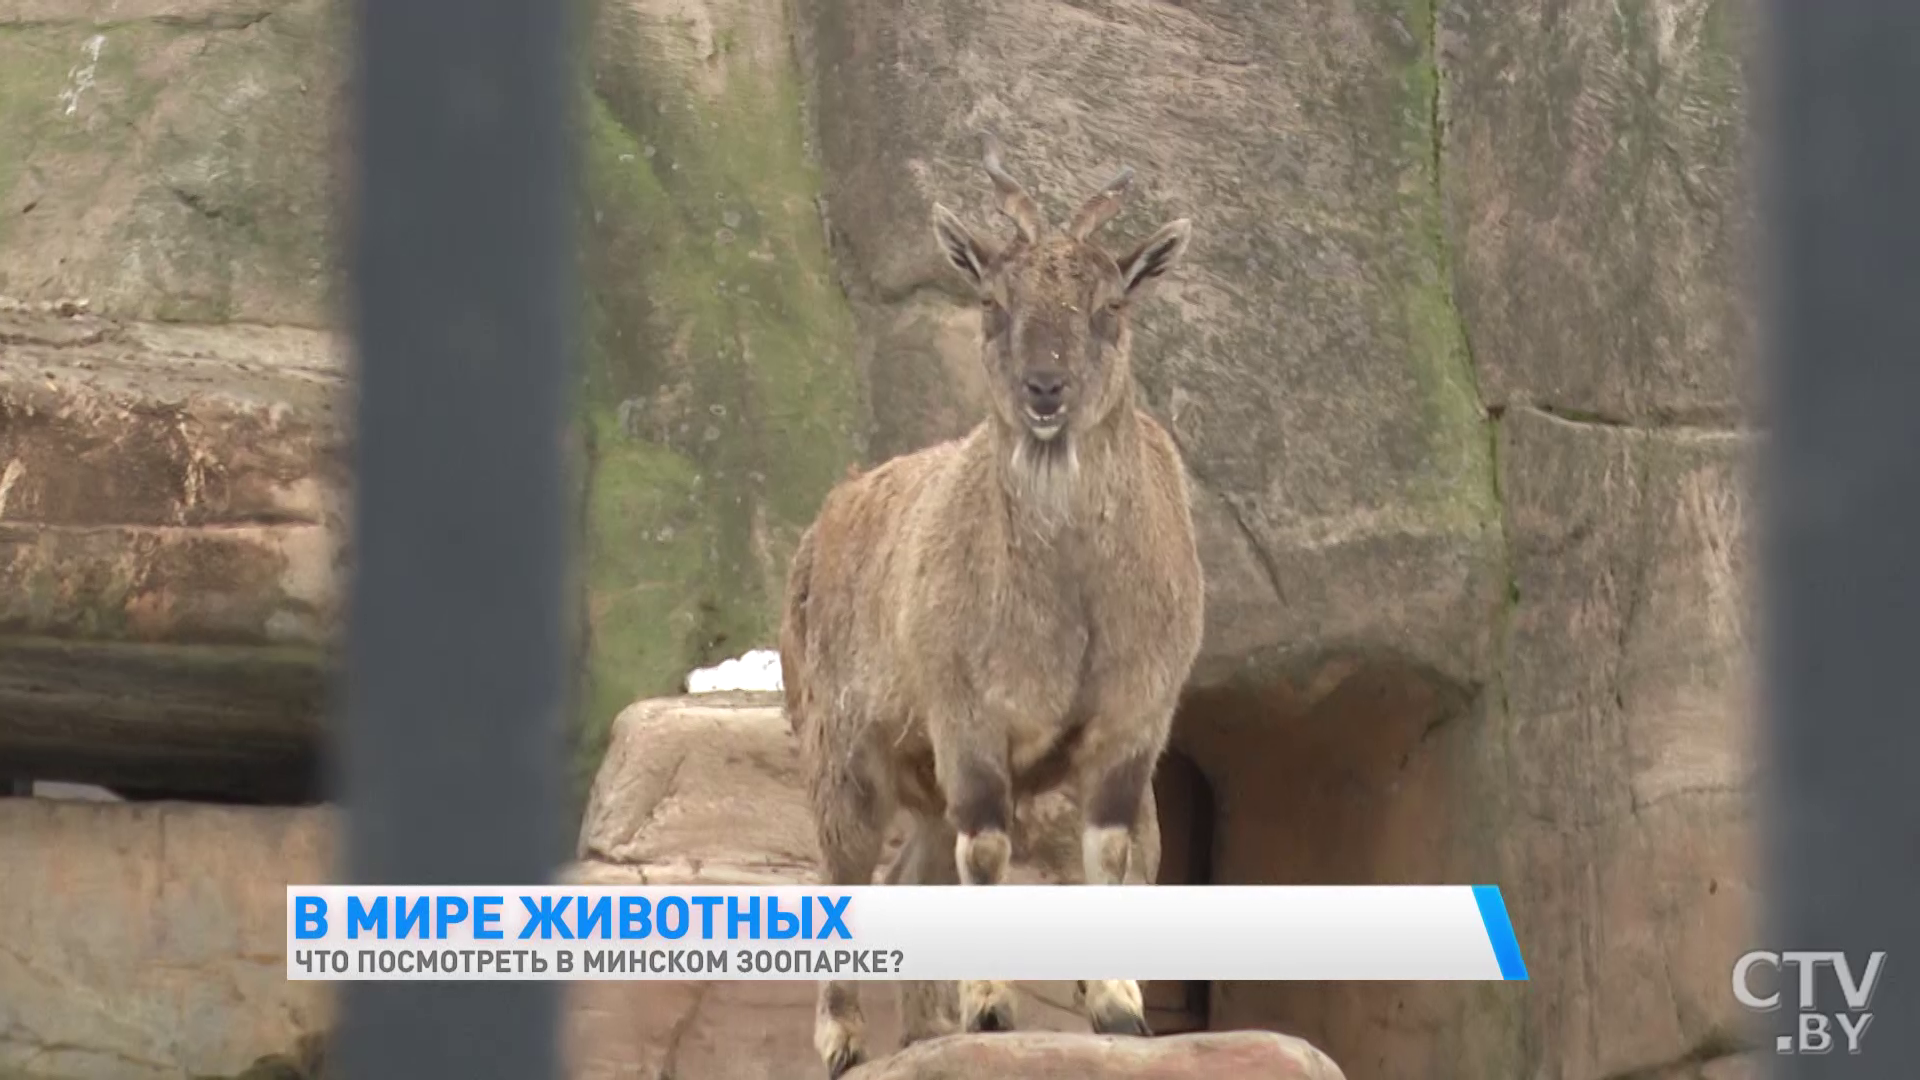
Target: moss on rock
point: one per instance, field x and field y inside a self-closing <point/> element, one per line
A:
<point x="172" y="168"/>
<point x="186" y="169"/>
<point x="720" y="396"/>
<point x="1459" y="486"/>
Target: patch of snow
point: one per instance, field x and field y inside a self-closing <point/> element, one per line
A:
<point x="759" y="669"/>
<point x="51" y="789"/>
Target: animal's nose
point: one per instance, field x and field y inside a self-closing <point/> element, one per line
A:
<point x="1045" y="391"/>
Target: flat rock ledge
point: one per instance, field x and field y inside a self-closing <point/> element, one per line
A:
<point x="1038" y="1055"/>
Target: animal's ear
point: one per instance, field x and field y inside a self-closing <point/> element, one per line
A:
<point x="960" y="247"/>
<point x="1156" y="255"/>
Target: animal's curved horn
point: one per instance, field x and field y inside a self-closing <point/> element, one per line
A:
<point x="1014" y="200"/>
<point x="1101" y="206"/>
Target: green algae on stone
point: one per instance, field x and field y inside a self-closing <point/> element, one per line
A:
<point x="720" y="394"/>
<point x="1460" y="484"/>
<point x="171" y="169"/>
<point x="252" y="177"/>
<point x="40" y="78"/>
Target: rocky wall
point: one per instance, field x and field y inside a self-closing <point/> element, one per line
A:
<point x="1459" y="361"/>
<point x="719" y="397"/>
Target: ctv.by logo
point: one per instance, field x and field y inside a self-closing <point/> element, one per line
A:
<point x="1813" y="1031"/>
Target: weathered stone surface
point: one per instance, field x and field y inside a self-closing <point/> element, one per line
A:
<point x="1254" y="1055"/>
<point x="740" y="1030"/>
<point x="171" y="457"/>
<point x="146" y="941"/>
<point x="171" y="525"/>
<point x="106" y="423"/>
<point x="172" y="159"/>
<point x="210" y="13"/>
<point x="1604" y="781"/>
<point x="180" y="160"/>
<point x="693" y="789"/>
<point x="1743" y="1066"/>
<point x="1599" y="207"/>
<point x="720" y="396"/>
<point x="1597" y="169"/>
<point x="1629" y="776"/>
<point x="1306" y="356"/>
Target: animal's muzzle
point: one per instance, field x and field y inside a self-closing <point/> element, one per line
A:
<point x="1046" y="395"/>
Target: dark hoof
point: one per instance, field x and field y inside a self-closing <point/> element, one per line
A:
<point x="844" y="1062"/>
<point x="999" y="1018"/>
<point x="1119" y="1022"/>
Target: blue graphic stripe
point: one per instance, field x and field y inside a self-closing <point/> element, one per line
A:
<point x="1506" y="948"/>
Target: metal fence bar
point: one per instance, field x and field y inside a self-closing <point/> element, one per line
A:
<point x="452" y="761"/>
<point x="1843" y="487"/>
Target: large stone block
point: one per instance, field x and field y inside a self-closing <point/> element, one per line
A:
<point x="157" y="425"/>
<point x="1628" y="789"/>
<point x="171" y="535"/>
<point x="1599" y="189"/>
<point x="146" y="941"/>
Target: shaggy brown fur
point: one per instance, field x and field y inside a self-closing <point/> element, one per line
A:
<point x="1000" y="615"/>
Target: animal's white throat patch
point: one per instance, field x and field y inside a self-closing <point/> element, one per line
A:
<point x="1046" y="475"/>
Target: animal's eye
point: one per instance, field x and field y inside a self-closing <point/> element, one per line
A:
<point x="995" y="317"/>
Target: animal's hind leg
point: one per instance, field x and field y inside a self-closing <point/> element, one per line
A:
<point x="927" y="1009"/>
<point x="850" y="812"/>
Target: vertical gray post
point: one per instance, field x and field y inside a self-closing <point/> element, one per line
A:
<point x="1842" y="143"/>
<point x="451" y="759"/>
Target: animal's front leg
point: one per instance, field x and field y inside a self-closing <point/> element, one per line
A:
<point x="980" y="806"/>
<point x="1111" y="802"/>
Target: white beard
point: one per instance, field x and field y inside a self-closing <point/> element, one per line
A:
<point x="1046" y="476"/>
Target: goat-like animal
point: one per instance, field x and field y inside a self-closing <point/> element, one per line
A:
<point x="1003" y="614"/>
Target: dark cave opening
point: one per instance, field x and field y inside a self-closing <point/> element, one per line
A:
<point x="1352" y="772"/>
<point x="1185" y="801"/>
